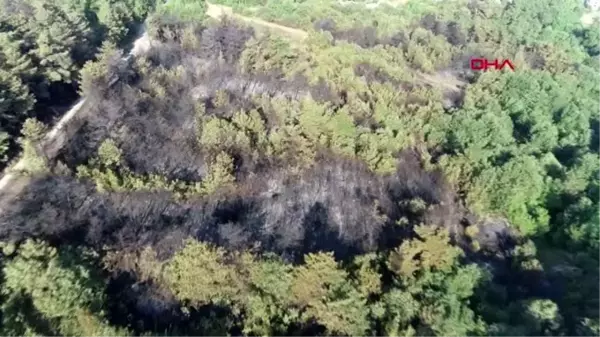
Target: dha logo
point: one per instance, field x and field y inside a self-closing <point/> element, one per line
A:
<point x="484" y="64"/>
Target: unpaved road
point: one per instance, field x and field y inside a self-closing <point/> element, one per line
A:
<point x="218" y="11"/>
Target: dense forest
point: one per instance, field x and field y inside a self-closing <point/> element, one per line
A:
<point x="356" y="179"/>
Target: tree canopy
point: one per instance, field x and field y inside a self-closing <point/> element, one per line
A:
<point x="241" y="178"/>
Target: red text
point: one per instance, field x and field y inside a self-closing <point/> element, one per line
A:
<point x="484" y="64"/>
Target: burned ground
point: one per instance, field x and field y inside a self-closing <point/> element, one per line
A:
<point x="152" y="115"/>
<point x="210" y="179"/>
<point x="338" y="205"/>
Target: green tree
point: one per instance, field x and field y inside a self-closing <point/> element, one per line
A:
<point x="33" y="132"/>
<point x="590" y="40"/>
<point x="57" y="35"/>
<point x="12" y="57"/>
<point x="220" y="174"/>
<point x="183" y="10"/>
<point x="429" y="252"/>
<point x="102" y="71"/>
<point x="117" y="17"/>
<point x="323" y="290"/>
<point x="516" y="189"/>
<point x="268" y="306"/>
<point x="543" y="317"/>
<point x="440" y="287"/>
<point x="200" y="274"/>
<point x="109" y="154"/>
<point x="62" y="286"/>
<point x="15" y="100"/>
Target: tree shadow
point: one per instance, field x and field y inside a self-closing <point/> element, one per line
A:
<point x="19" y="313"/>
<point x="141" y="307"/>
<point x="514" y="279"/>
<point x="319" y="236"/>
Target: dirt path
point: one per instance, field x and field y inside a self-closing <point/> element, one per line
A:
<point x="217" y="11"/>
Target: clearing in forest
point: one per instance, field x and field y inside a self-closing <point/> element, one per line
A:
<point x="587" y="19"/>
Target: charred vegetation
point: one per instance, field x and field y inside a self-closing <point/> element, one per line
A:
<point x="337" y="205"/>
<point x="354" y="182"/>
<point x="153" y="115"/>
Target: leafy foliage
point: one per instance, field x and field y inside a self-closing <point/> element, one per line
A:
<point x="60" y="286"/>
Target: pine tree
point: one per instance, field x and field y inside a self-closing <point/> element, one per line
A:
<point x="220" y="174"/>
<point x="109" y="154"/>
<point x="431" y="251"/>
<point x="15" y="101"/>
<point x="62" y="287"/>
<point x="200" y="274"/>
<point x="322" y="288"/>
<point x="54" y="42"/>
<point x="116" y="17"/>
<point x="33" y="132"/>
<point x="12" y="58"/>
<point x="102" y="71"/>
